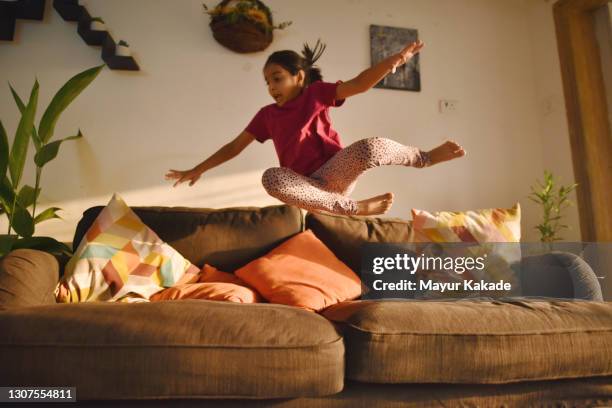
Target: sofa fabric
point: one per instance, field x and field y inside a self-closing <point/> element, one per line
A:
<point x="176" y="348"/>
<point x="27" y="278"/>
<point x="513" y="352"/>
<point x="575" y="393"/>
<point x="345" y="235"/>
<point x="474" y="341"/>
<point x="558" y="274"/>
<point x="226" y="238"/>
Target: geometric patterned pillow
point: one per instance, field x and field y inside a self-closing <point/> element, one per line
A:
<point x="120" y="259"/>
<point x="478" y="226"/>
<point x="481" y="230"/>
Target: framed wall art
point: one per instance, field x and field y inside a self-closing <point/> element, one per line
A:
<point x="385" y="41"/>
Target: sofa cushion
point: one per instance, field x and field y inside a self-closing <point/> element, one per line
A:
<point x="490" y="233"/>
<point x="27" y="278"/>
<point x="345" y="234"/>
<point x="474" y="341"/>
<point x="212" y="284"/>
<point x="221" y="291"/>
<point x="176" y="348"/>
<point x="209" y="273"/>
<point x="302" y="272"/>
<point x="481" y="225"/>
<point x="120" y="259"/>
<point x="226" y="238"/>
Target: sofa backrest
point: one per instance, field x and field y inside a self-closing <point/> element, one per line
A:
<point x="226" y="238"/>
<point x="345" y="235"/>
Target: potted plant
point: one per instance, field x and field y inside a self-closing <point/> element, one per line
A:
<point x="16" y="199"/>
<point x="123" y="49"/>
<point x="97" y="24"/>
<point x="243" y="25"/>
<point x="552" y="202"/>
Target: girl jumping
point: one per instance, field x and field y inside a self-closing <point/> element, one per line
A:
<point x="316" y="172"/>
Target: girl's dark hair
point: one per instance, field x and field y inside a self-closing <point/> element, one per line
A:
<point x="293" y="62"/>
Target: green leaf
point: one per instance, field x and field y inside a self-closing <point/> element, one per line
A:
<point x="5" y="208"/>
<point x="6" y="243"/>
<point x="49" y="151"/>
<point x="62" y="99"/>
<point x="48" y="214"/>
<point x="27" y="196"/>
<point x="18" y="100"/>
<point x="22" y="107"/>
<point x="46" y="244"/>
<point x="4" y="150"/>
<point x="22" y="138"/>
<point x="6" y="191"/>
<point x="23" y="224"/>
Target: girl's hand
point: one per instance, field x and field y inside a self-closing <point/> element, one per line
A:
<point x="408" y="52"/>
<point x="191" y="175"/>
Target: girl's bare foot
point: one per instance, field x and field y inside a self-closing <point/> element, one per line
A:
<point x="446" y="151"/>
<point x="375" y="205"/>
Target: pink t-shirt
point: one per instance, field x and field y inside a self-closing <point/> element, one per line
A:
<point x="301" y="129"/>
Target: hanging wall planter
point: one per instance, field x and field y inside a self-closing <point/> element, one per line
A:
<point x="243" y="25"/>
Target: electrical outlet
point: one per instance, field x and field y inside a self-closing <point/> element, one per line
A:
<point x="447" y="105"/>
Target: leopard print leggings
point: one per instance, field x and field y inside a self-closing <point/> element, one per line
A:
<point x="328" y="187"/>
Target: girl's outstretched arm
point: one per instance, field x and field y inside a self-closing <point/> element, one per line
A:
<point x="371" y="76"/>
<point x="225" y="153"/>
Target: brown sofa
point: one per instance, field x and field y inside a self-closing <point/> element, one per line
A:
<point x="470" y="352"/>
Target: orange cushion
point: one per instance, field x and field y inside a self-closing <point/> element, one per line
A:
<point x="208" y="291"/>
<point x="212" y="284"/>
<point x="302" y="272"/>
<point x="209" y="273"/>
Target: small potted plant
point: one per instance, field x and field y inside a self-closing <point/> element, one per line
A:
<point x="553" y="201"/>
<point x="123" y="49"/>
<point x="97" y="24"/>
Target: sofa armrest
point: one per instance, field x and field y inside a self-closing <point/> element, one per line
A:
<point x="558" y="274"/>
<point x="28" y="277"/>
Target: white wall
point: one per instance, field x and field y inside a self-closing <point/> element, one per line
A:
<point x="496" y="57"/>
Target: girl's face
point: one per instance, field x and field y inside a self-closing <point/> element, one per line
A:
<point x="283" y="86"/>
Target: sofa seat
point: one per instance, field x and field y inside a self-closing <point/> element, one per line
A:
<point x="177" y="348"/>
<point x="474" y="341"/>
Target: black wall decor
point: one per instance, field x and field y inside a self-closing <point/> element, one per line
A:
<point x="10" y="11"/>
<point x="70" y="10"/>
<point x="385" y="41"/>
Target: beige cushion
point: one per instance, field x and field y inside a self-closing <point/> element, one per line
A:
<point x="181" y="348"/>
<point x="472" y="341"/>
